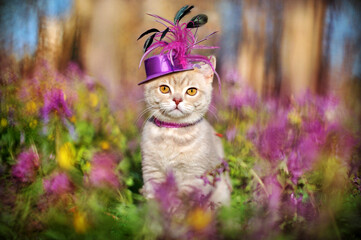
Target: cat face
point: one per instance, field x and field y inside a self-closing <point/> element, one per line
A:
<point x="181" y="97"/>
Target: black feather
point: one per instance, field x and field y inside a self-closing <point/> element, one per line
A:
<point x="182" y="12"/>
<point x="147" y="32"/>
<point x="148" y="42"/>
<point x="197" y="21"/>
<point x="164" y="33"/>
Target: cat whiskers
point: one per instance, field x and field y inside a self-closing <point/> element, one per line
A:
<point x="187" y="109"/>
<point x="211" y="106"/>
<point x="141" y="100"/>
<point x="143" y="113"/>
<point x="213" y="113"/>
<point x="150" y="116"/>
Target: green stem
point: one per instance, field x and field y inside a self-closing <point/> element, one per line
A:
<point x="260" y="181"/>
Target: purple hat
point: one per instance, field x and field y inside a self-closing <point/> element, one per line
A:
<point x="176" y="43"/>
<point x="160" y="65"/>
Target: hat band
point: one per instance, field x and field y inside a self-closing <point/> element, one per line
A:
<point x="160" y="64"/>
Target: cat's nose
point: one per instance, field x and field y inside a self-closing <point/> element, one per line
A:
<point x="177" y="100"/>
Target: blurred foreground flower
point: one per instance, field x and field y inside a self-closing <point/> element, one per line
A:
<point x="273" y="140"/>
<point x="184" y="216"/>
<point x="58" y="184"/>
<point x="54" y="102"/>
<point x="104" y="145"/>
<point x="294" y="117"/>
<point x="3" y="122"/>
<point x="65" y="156"/>
<point x="211" y="177"/>
<point x="80" y="222"/>
<point x="103" y="171"/>
<point x="166" y="193"/>
<point x="199" y="219"/>
<point x="31" y="107"/>
<point x="231" y="133"/>
<point x="93" y="99"/>
<point x="26" y="166"/>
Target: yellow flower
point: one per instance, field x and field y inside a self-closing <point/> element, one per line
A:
<point x="65" y="155"/>
<point x="33" y="123"/>
<point x="3" y="122"/>
<point x="80" y="222"/>
<point x="73" y="119"/>
<point x="294" y="117"/>
<point x="93" y="98"/>
<point x="31" y="107"/>
<point x="199" y="219"/>
<point x="104" y="145"/>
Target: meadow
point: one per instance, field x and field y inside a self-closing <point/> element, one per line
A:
<point x="71" y="166"/>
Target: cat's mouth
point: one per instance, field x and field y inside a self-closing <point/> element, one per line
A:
<point x="176" y="108"/>
<point x="175" y="113"/>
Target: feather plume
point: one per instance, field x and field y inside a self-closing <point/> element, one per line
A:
<point x="164" y="33"/>
<point x="147" y="32"/>
<point x="181" y="13"/>
<point x="178" y="40"/>
<point x="197" y="21"/>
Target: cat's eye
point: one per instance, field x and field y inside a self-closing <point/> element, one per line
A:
<point x="192" y="91"/>
<point x="164" y="89"/>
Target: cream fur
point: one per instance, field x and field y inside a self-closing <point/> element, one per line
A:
<point x="187" y="152"/>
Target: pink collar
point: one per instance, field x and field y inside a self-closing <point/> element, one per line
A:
<point x="160" y="123"/>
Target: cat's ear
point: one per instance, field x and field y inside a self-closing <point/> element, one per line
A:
<point x="213" y="61"/>
<point x="206" y="69"/>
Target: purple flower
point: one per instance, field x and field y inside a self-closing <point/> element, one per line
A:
<point x="319" y="104"/>
<point x="225" y="165"/>
<point x="273" y="140"/>
<point x="74" y="70"/>
<point x="54" y="102"/>
<point x="231" y="134"/>
<point x="58" y="184"/>
<point x="275" y="190"/>
<point x="298" y="205"/>
<point x="302" y="157"/>
<point x="26" y="166"/>
<point x="316" y="130"/>
<point x="190" y="212"/>
<point x="205" y="179"/>
<point x="103" y="171"/>
<point x="248" y="97"/>
<point x="166" y="193"/>
<point x="215" y="174"/>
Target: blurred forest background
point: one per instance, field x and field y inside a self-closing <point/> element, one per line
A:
<point x="278" y="47"/>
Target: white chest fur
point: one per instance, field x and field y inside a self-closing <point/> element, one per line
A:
<point x="187" y="152"/>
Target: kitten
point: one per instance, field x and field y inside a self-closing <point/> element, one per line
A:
<point x="182" y="98"/>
